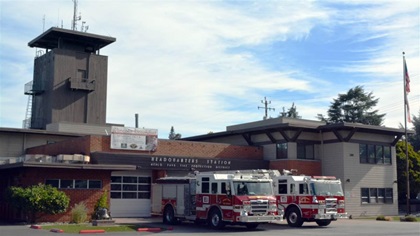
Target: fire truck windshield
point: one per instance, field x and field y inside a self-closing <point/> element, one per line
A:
<point x="327" y="188"/>
<point x="252" y="188"/>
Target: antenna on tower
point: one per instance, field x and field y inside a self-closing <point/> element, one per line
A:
<point x="43" y="24"/>
<point x="78" y="18"/>
<point x="266" y="108"/>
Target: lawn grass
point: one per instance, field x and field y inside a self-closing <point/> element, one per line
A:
<point x="75" y="228"/>
<point x="394" y="218"/>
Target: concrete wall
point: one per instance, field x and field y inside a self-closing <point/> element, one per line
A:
<point x="14" y="144"/>
<point x="342" y="160"/>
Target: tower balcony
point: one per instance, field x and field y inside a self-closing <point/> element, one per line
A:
<point x="32" y="88"/>
<point x="82" y="84"/>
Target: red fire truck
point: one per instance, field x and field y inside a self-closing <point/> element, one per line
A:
<point x="317" y="199"/>
<point x="217" y="198"/>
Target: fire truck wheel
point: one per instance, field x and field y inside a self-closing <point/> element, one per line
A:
<point x="294" y="219"/>
<point x="252" y="225"/>
<point x="215" y="219"/>
<point x="323" y="222"/>
<point x="169" y="215"/>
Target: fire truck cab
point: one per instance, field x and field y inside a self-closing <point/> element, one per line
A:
<point x="217" y="198"/>
<point x="317" y="199"/>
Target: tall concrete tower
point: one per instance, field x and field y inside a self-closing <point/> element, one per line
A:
<point x="70" y="78"/>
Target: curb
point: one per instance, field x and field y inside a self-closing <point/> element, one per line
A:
<point x="35" y="227"/>
<point x="149" y="229"/>
<point x="57" y="230"/>
<point x="91" y="231"/>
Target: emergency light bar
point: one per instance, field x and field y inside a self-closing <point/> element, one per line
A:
<point x="324" y="177"/>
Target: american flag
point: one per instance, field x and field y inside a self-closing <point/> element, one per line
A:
<point x="407" y="89"/>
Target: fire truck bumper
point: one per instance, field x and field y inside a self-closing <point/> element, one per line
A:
<point x="331" y="216"/>
<point x="342" y="215"/>
<point x="261" y="219"/>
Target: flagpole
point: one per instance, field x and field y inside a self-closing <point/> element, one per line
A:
<point x="406" y="137"/>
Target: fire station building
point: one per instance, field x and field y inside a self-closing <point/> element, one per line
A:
<point x="68" y="144"/>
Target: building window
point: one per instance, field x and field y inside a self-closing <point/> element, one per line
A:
<point x="305" y="151"/>
<point x="389" y="195"/>
<point x="80" y="184"/>
<point x="281" y="150"/>
<point x="74" y="183"/>
<point x="376" y="195"/>
<point x="53" y="182"/>
<point x="130" y="187"/>
<point x="66" y="183"/>
<point x="82" y="74"/>
<point x="365" y="195"/>
<point x="387" y="155"/>
<point x="95" y="184"/>
<point x="374" y="154"/>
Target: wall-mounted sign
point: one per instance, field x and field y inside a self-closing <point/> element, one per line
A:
<point x="127" y="138"/>
<point x="143" y="161"/>
<point x="189" y="163"/>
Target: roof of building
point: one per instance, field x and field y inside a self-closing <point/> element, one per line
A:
<point x="68" y="166"/>
<point x="39" y="131"/>
<point x="51" y="38"/>
<point x="283" y="124"/>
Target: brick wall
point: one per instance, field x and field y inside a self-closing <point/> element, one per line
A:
<point x="304" y="167"/>
<point x="90" y="144"/>
<point x="80" y="145"/>
<point x="32" y="176"/>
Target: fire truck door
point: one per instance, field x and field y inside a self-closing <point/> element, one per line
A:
<point x="224" y="196"/>
<point x="293" y="191"/>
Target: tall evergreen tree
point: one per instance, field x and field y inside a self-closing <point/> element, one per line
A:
<point x="356" y="106"/>
<point x="415" y="139"/>
<point x="173" y="135"/>
<point x="414" y="171"/>
<point x="291" y="112"/>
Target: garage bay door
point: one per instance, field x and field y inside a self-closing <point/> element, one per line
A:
<point x="130" y="195"/>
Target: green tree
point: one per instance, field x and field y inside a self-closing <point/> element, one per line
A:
<point x="415" y="139"/>
<point x="414" y="171"/>
<point x="37" y="199"/>
<point x="356" y="106"/>
<point x="173" y="135"/>
<point x="291" y="112"/>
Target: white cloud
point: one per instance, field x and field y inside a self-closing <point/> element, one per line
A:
<point x="194" y="65"/>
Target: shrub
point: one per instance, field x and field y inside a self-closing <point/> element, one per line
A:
<point x="39" y="198"/>
<point x="100" y="205"/>
<point x="79" y="213"/>
<point x="383" y="218"/>
<point x="102" y="201"/>
<point x="380" y="217"/>
<point x="409" y="218"/>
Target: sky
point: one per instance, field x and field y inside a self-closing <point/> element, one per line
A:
<point x="200" y="66"/>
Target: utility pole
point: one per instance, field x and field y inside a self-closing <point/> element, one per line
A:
<point x="266" y="108"/>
